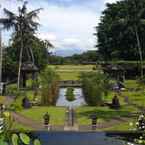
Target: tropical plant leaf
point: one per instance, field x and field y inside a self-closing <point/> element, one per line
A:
<point x="25" y="138"/>
<point x="37" y="142"/>
<point x="15" y="139"/>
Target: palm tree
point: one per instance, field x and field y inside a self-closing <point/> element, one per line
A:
<point x="48" y="45"/>
<point x="23" y="24"/>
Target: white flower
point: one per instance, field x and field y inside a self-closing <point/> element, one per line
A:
<point x="141" y="137"/>
<point x="137" y="123"/>
<point x="140" y="141"/>
<point x="130" y="143"/>
<point x="130" y="124"/>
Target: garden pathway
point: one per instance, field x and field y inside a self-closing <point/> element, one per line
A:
<point x="70" y="122"/>
<point x="27" y="121"/>
<point x="39" y="126"/>
<point x="8" y="100"/>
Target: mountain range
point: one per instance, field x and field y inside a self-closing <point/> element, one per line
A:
<point x="68" y="52"/>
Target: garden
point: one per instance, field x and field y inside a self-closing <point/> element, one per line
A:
<point x="101" y="91"/>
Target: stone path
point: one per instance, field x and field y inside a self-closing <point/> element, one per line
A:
<point x="27" y="121"/>
<point x="8" y="100"/>
<point x="70" y="122"/>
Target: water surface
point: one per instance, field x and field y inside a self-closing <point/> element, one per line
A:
<point x="77" y="138"/>
<point x="79" y="98"/>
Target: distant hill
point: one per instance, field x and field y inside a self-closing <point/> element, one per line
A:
<point x="89" y="57"/>
<point x="68" y="52"/>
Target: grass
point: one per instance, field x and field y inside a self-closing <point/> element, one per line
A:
<point x="122" y="126"/>
<point x="103" y="113"/>
<point x="20" y="127"/>
<point x="106" y="114"/>
<point x="131" y="84"/>
<point x="2" y="99"/>
<point x="136" y="97"/>
<point x="57" y="114"/>
<point x="71" y="72"/>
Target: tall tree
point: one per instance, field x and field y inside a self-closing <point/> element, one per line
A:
<point x="23" y="24"/>
<point x="121" y="31"/>
<point x="135" y="19"/>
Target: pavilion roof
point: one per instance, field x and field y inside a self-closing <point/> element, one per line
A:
<point x="29" y="66"/>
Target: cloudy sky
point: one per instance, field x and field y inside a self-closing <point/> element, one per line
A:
<point x="68" y="24"/>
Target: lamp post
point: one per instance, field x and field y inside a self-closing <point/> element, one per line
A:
<point x="1" y="59"/>
<point x="46" y="118"/>
<point x="1" y="55"/>
<point x="94" y="121"/>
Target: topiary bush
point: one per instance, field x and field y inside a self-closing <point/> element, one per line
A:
<point x="70" y="94"/>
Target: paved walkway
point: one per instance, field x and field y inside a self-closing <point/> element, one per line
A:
<point x="70" y="122"/>
<point x="8" y="100"/>
<point x="27" y="121"/>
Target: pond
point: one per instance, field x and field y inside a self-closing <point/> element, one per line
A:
<point x="77" y="138"/>
<point x="79" y="98"/>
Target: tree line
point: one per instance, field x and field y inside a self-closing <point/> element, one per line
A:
<point x="121" y="33"/>
<point x="87" y="57"/>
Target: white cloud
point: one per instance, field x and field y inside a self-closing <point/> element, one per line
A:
<point x="71" y="41"/>
<point x="47" y="36"/>
<point x="110" y="1"/>
<point x="70" y="24"/>
<point x="65" y="27"/>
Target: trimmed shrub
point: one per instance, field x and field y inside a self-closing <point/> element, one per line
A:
<point x="70" y="94"/>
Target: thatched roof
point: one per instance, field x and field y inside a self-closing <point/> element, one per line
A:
<point x="29" y="67"/>
<point x="113" y="67"/>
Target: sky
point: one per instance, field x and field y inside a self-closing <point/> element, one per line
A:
<point x="68" y="24"/>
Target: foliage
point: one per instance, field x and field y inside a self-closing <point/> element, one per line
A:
<point x="24" y="24"/>
<point x="11" y="56"/>
<point x="70" y="94"/>
<point x="23" y="138"/>
<point x="84" y="58"/>
<point x="15" y="139"/>
<point x="38" y="47"/>
<point x="49" y="86"/>
<point x="18" y="139"/>
<point x="122" y="19"/>
<point x="95" y="87"/>
<point x="16" y="105"/>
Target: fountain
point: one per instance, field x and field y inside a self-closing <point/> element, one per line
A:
<point x="79" y="98"/>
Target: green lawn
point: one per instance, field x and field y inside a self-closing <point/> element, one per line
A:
<point x="103" y="113"/>
<point x="72" y="67"/>
<point x="71" y="72"/>
<point x="131" y="84"/>
<point x="57" y="114"/>
<point x="136" y="97"/>
<point x="20" y="127"/>
<point x="122" y="126"/>
<point x="106" y="114"/>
